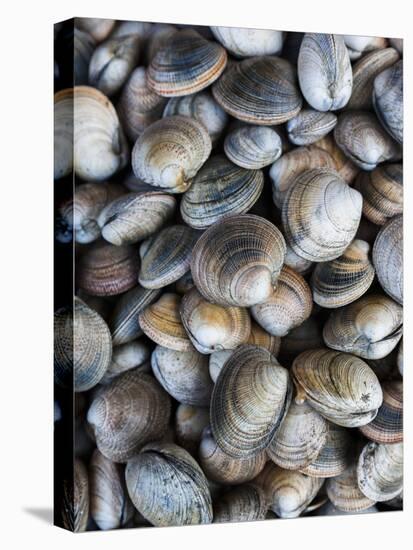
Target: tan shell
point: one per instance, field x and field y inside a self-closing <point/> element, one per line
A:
<point x="183" y="374"/>
<point x="289" y="305"/>
<point x="253" y="147"/>
<point x="340" y="386"/>
<point x="212" y="327"/>
<point x="358" y="45"/>
<point x="388" y="258"/>
<point x="63" y="133"/>
<point x="309" y="126"/>
<point x="169" y="153"/>
<point x="387" y="427"/>
<point x="388" y="99"/>
<point x="380" y="471"/>
<point x="306" y="336"/>
<point x="189" y="424"/>
<point x="343" y="165"/>
<point x="96" y="27"/>
<point x="237" y="261"/>
<point x="125" y="357"/>
<point x="249" y="42"/>
<point x="259" y="337"/>
<point x="343" y="280"/>
<point x="370" y="328"/>
<point x="344" y="493"/>
<point x="244" y="422"/>
<point x="245" y="503"/>
<point x="161" y="322"/>
<point x="132" y="410"/>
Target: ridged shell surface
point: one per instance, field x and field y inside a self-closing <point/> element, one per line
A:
<point x="380" y="471"/>
<point x="249" y="42"/>
<point x="309" y="126"/>
<point x="388" y="258"/>
<point x="388" y="99"/>
<point x="344" y="493"/>
<point x="245" y="503"/>
<point x="253" y="147"/>
<point x="387" y="427"/>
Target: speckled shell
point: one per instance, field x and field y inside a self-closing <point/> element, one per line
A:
<point x="309" y="126"/>
<point x="237" y="261"/>
<point x="135" y="216"/>
<point x="343" y="280"/>
<point x="340" y="386"/>
<point x="107" y="270"/>
<point x="245" y="503"/>
<point x="138" y="105"/>
<point x="203" y="108"/>
<point x="220" y="189"/>
<point x="361" y="138"/>
<point x="183" y="374"/>
<point x="320" y="215"/>
<point x="63" y="133"/>
<point x="127" y="413"/>
<point x="380" y="471"/>
<point x="306" y="336"/>
<point x="161" y="322"/>
<point x="189" y="424"/>
<point x="382" y="191"/>
<point x="125" y="357"/>
<point x="324" y="71"/>
<point x="186" y="63"/>
<point x="344" y="493"/>
<point x="300" y="437"/>
<point x="168" y="256"/>
<point x="387" y="427"/>
<point x="170" y="152"/>
<point x="96" y="27"/>
<point x="99" y="145"/>
<point x="388" y="99"/>
<point x="249" y="401"/>
<point x="249" y="42"/>
<point x="83" y="347"/>
<point x="259" y="90"/>
<point x="225" y="469"/>
<point x="388" y="258"/>
<point x="253" y="147"/>
<point x="110" y="506"/>
<point x="289" y="305"/>
<point x="370" y="328"/>
<point x="357" y="45"/>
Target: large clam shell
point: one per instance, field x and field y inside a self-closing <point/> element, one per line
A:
<point x="253" y="147"/>
<point x="245" y="503"/>
<point x="63" y="133"/>
<point x="388" y="99"/>
<point x="249" y="42"/>
<point x="344" y="493"/>
<point x="387" y="427"/>
<point x="380" y="471"/>
<point x="309" y="126"/>
<point x="388" y="258"/>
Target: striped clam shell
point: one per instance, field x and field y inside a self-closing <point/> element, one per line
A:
<point x="309" y="126"/>
<point x="380" y="471"/>
<point x="358" y="45"/>
<point x="340" y="386"/>
<point x="186" y="63"/>
<point x="249" y="401"/>
<point x="127" y="356"/>
<point x="370" y="328"/>
<point x="388" y="99"/>
<point x="344" y="493"/>
<point x="388" y="258"/>
<point x="387" y="427"/>
<point x="253" y="147"/>
<point x="220" y="189"/>
<point x="249" y="42"/>
<point x="259" y="90"/>
<point x="245" y="503"/>
<point x="236" y="262"/>
<point x="324" y="71"/>
<point x="341" y="281"/>
<point x="320" y="215"/>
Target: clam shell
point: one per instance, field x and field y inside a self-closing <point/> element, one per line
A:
<point x="388" y="99"/>
<point x="186" y="63"/>
<point x="263" y="339"/>
<point x="340" y="386"/>
<point x="343" y="165"/>
<point x="125" y="357"/>
<point x="78" y="501"/>
<point x="344" y="493"/>
<point x="343" y="280"/>
<point x="400" y="358"/>
<point x="306" y="336"/>
<point x="168" y="487"/>
<point x="140" y="29"/>
<point x="387" y="427"/>
<point x="237" y="261"/>
<point x="320" y="215"/>
<point x="127" y="413"/>
<point x="259" y="90"/>
<point x="249" y="401"/>
<point x="183" y="374"/>
<point x="329" y="509"/>
<point x="357" y="45"/>
<point x="388" y="258"/>
<point x="309" y="126"/>
<point x="83" y="48"/>
<point x="380" y="471"/>
<point x="184" y="283"/>
<point x="169" y="153"/>
<point x="324" y="71"/>
<point x="98" y="28"/>
<point x="245" y="503"/>
<point x="217" y="360"/>
<point x="63" y="133"/>
<point x="158" y="37"/>
<point x="253" y="147"/>
<point x="397" y="43"/>
<point x="189" y="424"/>
<point x="249" y="42"/>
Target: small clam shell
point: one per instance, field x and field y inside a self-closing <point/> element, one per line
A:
<point x="110" y="506"/>
<point x="387" y="427"/>
<point x="170" y="152"/>
<point x="125" y="357"/>
<point x="380" y="471"/>
<point x="161" y="322"/>
<point x="203" y="108"/>
<point x="168" y="256"/>
<point x="225" y="469"/>
<point x="189" y="424"/>
<point x="306" y="336"/>
<point x="343" y="165"/>
<point x="309" y="126"/>
<point x="217" y="360"/>
<point x="388" y="258"/>
<point x="168" y="487"/>
<point x="344" y="493"/>
<point x="183" y="374"/>
<point x="243" y="421"/>
<point x="259" y="90"/>
<point x="63" y="133"/>
<point x="107" y="270"/>
<point x="185" y="64"/>
<point x="388" y="99"/>
<point x="263" y="339"/>
<point x="98" y="28"/>
<point x="357" y="45"/>
<point x="340" y="386"/>
<point x="324" y="71"/>
<point x="343" y="280"/>
<point x="237" y="261"/>
<point x="361" y="137"/>
<point x="212" y="327"/>
<point x="320" y="215"/>
<point x="253" y="147"/>
<point x="245" y="503"/>
<point x="127" y="413"/>
<point x="370" y="328"/>
<point x="135" y="216"/>
<point x="249" y="42"/>
<point x="289" y="305"/>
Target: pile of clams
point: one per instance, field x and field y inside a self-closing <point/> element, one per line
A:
<point x="235" y="340"/>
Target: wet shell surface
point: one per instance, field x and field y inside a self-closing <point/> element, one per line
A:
<point x="237" y="261"/>
<point x="380" y="471"/>
<point x="387" y="427"/>
<point x="388" y="99"/>
<point x="253" y="147"/>
<point x="344" y="493"/>
<point x="245" y="503"/>
<point x="388" y="258"/>
<point x="259" y="90"/>
<point x="168" y="487"/>
<point x="309" y="126"/>
<point x="249" y="401"/>
<point x="169" y="153"/>
<point x="249" y="42"/>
